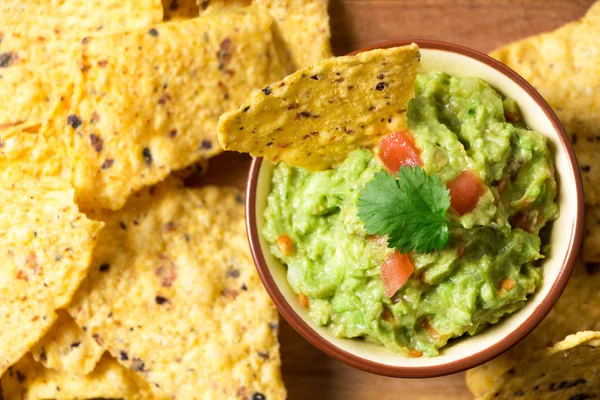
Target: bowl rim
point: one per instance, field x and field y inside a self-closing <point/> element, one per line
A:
<point x="485" y="354"/>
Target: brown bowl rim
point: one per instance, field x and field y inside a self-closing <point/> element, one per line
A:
<point x="475" y="359"/>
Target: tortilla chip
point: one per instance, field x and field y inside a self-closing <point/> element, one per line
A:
<point x="180" y="9"/>
<point x="38" y="38"/>
<point x="67" y="348"/>
<point x="315" y="117"/>
<point x="301" y="27"/>
<point x="563" y="66"/>
<point x="583" y="288"/>
<point x="31" y="380"/>
<point x="46" y="247"/>
<point x="173" y="294"/>
<point x="140" y="117"/>
<point x="74" y="19"/>
<point x="568" y="370"/>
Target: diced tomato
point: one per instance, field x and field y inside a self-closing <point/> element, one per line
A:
<point x="395" y="271"/>
<point x="398" y="149"/>
<point x="507" y="284"/>
<point x="465" y="191"/>
<point x="414" y="353"/>
<point x="303" y="300"/>
<point x="284" y="244"/>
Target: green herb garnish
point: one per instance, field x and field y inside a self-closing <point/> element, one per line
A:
<point x="411" y="210"/>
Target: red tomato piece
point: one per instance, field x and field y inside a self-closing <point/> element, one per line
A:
<point x="395" y="271"/>
<point x="465" y="191"/>
<point x="398" y="149"/>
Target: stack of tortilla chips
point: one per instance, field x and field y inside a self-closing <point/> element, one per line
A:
<point x="564" y="66"/>
<point x="117" y="280"/>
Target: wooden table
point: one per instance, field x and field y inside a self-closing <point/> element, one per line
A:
<point x="483" y="25"/>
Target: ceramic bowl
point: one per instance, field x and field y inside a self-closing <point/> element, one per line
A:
<point x="467" y="352"/>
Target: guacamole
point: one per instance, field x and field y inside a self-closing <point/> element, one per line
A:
<point x="492" y="262"/>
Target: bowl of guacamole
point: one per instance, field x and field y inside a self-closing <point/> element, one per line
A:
<point x="441" y="247"/>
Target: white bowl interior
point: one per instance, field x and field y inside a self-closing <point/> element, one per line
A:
<point x="457" y="65"/>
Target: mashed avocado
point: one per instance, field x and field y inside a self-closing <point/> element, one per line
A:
<point x="491" y="264"/>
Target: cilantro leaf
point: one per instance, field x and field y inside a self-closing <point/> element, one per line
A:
<point x="411" y="210"/>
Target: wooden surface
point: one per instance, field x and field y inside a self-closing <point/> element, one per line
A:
<point x="483" y="25"/>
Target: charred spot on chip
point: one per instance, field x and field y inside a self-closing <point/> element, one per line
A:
<point x="170" y="226"/>
<point x="574" y="138"/>
<point x="568" y="384"/>
<point x="98" y="339"/>
<point x="75" y="345"/>
<point x="161" y="300"/>
<point x="206" y="144"/>
<point x="246" y="109"/>
<point x="231" y="293"/>
<point x="586" y="168"/>
<point x="6" y="59"/>
<point x="20" y="376"/>
<point x="104" y="267"/>
<point x="172" y="133"/>
<point x="263" y="354"/>
<point x="592" y="268"/>
<point x="204" y="4"/>
<point x="147" y="156"/>
<point x="97" y="142"/>
<point x="85" y="40"/>
<point x="244" y="287"/>
<point x="314" y="77"/>
<point x="224" y="54"/>
<point x="43" y="355"/>
<point x="233" y="273"/>
<point x="381" y="85"/>
<point x="123" y="355"/>
<point x="95" y="118"/>
<point x="137" y="365"/>
<point x="153" y="32"/>
<point x="258" y="396"/>
<point x="164" y="98"/>
<point x="122" y="225"/>
<point x="73" y="121"/>
<point x="108" y="163"/>
<point x="267" y="90"/>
